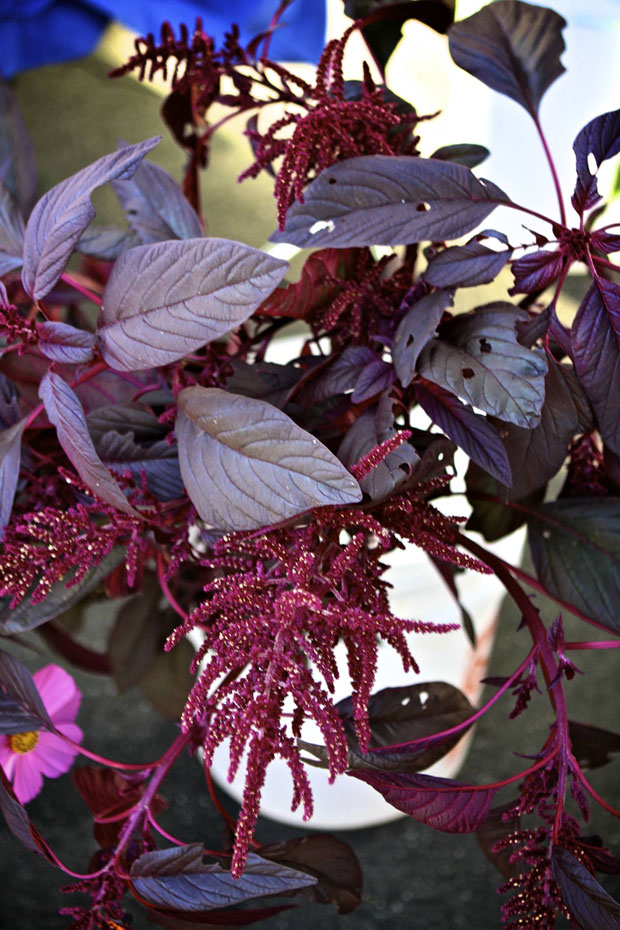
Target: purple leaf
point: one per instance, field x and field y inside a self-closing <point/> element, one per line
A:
<point x="588" y="902"/>
<point x="159" y="461"/>
<point x="246" y="464"/>
<point x="597" y="141"/>
<point x="27" y="616"/>
<point x="64" y="343"/>
<point x="471" y="432"/>
<point x="512" y="47"/>
<point x="536" y="271"/>
<point x="604" y="242"/>
<point x="9" y="402"/>
<point x="536" y="455"/>
<point x="479" y="359"/>
<point x="17" y="684"/>
<point x="330" y="860"/>
<point x="490" y="515"/>
<point x="63" y="213"/>
<point x="65" y="412"/>
<point x="155" y="206"/>
<point x="446" y="805"/>
<point x="167" y="299"/>
<point x="11" y="232"/>
<point x="105" y="242"/>
<point x="389" y="200"/>
<point x="18" y="822"/>
<point x="177" y="878"/>
<point x="464" y="153"/>
<point x="341" y="375"/>
<point x="496" y="829"/>
<point x="575" y="546"/>
<point x="595" y="341"/>
<point x="375" y="377"/>
<point x="135" y="418"/>
<point x="466" y="265"/>
<point x="370" y="429"/>
<point x="10" y="458"/>
<point x="18" y="170"/>
<point x="416" y="328"/>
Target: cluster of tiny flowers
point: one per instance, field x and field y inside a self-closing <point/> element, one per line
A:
<point x="275" y="609"/>
<point x="41" y="548"/>
<point x="332" y="125"/>
<point x="587" y="475"/>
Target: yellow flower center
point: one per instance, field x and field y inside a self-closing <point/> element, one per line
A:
<point x="23" y="742"/>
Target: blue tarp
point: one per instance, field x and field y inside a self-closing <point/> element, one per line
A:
<point x="43" y="32"/>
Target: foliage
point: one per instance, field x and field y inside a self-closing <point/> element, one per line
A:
<point x="148" y="447"/>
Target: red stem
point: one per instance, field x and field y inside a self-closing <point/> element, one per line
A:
<point x="96" y="299"/>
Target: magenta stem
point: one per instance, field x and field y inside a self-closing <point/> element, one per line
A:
<point x="594" y="644"/>
<point x="554" y="173"/>
<point x="96" y="299"/>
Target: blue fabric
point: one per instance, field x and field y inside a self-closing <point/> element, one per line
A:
<point x="43" y="32"/>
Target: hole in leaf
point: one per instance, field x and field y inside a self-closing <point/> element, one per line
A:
<point x="424" y="696"/>
<point x="546" y="534"/>
<point x="321" y="225"/>
<point x="331" y="181"/>
<point x="592" y="163"/>
<point x="409" y="341"/>
<point x="404" y="467"/>
<point x="485" y="346"/>
<point x="440" y="457"/>
<point x="405" y="701"/>
<point x="423" y="207"/>
<point x="468" y="373"/>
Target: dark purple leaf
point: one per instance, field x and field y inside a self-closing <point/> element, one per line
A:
<point x="512" y="47"/>
<point x="446" y="805"/>
<point x="341" y="376"/>
<point x="167" y="682"/>
<point x="471" y="432"/>
<point x="64" y="343"/>
<point x="490" y="514"/>
<point x="588" y="902"/>
<point x="389" y="200"/>
<point x="604" y="242"/>
<point x="416" y="328"/>
<point x="464" y="153"/>
<point x="466" y="265"/>
<point x="479" y="359"/>
<point x="595" y="348"/>
<point x="375" y="377"/>
<point x="399" y="718"/>
<point x="597" y="141"/>
<point x="155" y="206"/>
<point x="27" y="616"/>
<point x="211" y="920"/>
<point x="9" y="402"/>
<point x="536" y="271"/>
<point x="167" y="299"/>
<point x="136" y="635"/>
<point x="591" y="745"/>
<point x="536" y="455"/>
<point x="134" y="418"/>
<point x="10" y="458"/>
<point x="21" y="700"/>
<point x="159" y="462"/>
<point x="11" y="231"/>
<point x="18" y="822"/>
<point x="495" y="829"/>
<point x="107" y="794"/>
<point x="18" y="170"/>
<point x="177" y="878"/>
<point x="246" y="464"/>
<point x="105" y="242"/>
<point x="370" y="429"/>
<point x="331" y="861"/>
<point x="65" y="412"/>
<point x="267" y="381"/>
<point x="63" y="213"/>
<point x="575" y="545"/>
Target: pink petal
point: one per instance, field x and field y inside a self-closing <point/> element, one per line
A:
<point x="28" y="780"/>
<point x="8" y="758"/>
<point x="58" y="692"/>
<point x="54" y="756"/>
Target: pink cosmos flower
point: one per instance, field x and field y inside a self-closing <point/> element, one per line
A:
<point x="26" y="757"/>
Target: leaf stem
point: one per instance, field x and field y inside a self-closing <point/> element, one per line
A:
<point x="551" y="163"/>
<point x="71" y="281"/>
